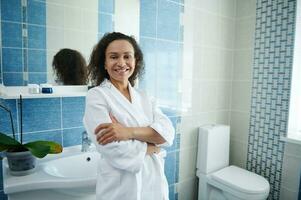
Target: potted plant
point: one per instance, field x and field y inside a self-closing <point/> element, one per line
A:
<point x="20" y="156"/>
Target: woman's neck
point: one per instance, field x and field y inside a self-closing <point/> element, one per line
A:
<point x="123" y="89"/>
<point x="121" y="86"/>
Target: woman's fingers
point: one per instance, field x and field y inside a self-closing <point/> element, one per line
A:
<point x="108" y="140"/>
<point x="104" y="134"/>
<point x="114" y="120"/>
<point x="101" y="127"/>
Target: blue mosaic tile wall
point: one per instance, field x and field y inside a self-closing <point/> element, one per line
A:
<point x="272" y="65"/>
<point x="23" y="33"/>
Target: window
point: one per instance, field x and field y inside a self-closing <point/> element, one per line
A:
<point x="294" y="125"/>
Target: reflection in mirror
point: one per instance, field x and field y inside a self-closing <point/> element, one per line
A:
<point x="33" y="31"/>
<point x="70" y="68"/>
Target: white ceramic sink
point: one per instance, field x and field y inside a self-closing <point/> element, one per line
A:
<point x="76" y="166"/>
<point x="70" y="175"/>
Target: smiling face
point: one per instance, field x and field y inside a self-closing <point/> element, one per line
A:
<point x="120" y="61"/>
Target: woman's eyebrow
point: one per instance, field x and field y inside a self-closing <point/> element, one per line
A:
<point x="127" y="52"/>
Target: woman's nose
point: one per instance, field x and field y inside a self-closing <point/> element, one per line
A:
<point x="121" y="62"/>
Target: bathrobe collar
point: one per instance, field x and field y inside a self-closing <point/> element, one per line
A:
<point x="130" y="107"/>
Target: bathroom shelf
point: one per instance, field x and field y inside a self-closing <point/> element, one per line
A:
<point x="14" y="92"/>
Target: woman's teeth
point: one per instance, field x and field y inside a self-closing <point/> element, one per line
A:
<point x="121" y="70"/>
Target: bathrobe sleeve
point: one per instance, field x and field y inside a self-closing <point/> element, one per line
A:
<point x="126" y="155"/>
<point x="162" y="124"/>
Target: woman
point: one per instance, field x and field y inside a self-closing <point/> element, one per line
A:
<point x="70" y="67"/>
<point x="125" y="125"/>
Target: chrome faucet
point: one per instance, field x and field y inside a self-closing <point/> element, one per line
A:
<point x="86" y="142"/>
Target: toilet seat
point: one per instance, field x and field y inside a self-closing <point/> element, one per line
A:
<point x="240" y="182"/>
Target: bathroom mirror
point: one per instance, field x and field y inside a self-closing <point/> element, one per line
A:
<point x="33" y="31"/>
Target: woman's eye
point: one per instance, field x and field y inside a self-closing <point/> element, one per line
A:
<point x="113" y="57"/>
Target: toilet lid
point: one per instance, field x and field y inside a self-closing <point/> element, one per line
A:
<point x="241" y="180"/>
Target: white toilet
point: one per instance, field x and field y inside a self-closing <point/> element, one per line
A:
<point x="218" y="180"/>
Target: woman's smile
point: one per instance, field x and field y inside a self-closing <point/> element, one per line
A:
<point x="120" y="61"/>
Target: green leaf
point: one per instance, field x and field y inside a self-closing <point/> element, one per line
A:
<point x="6" y="140"/>
<point x="8" y="143"/>
<point x="41" y="148"/>
<point x="3" y="147"/>
<point x="37" y="150"/>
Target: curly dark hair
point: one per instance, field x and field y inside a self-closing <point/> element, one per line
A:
<point x="70" y="67"/>
<point x="96" y="68"/>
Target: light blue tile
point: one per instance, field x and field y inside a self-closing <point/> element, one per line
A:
<point x="169" y="112"/>
<point x="148" y="82"/>
<point x="181" y="33"/>
<point x="171" y="192"/>
<point x="13" y="79"/>
<point x="11" y="34"/>
<point x="37" y="61"/>
<point x="176" y="141"/>
<point x="100" y="35"/>
<point x="12" y="60"/>
<point x="5" y="122"/>
<point x="11" y="10"/>
<point x="106" y="6"/>
<point x="72" y="136"/>
<point x="168" y="59"/>
<point x="55" y="136"/>
<point x="168" y="65"/>
<point x="37" y="78"/>
<point x="41" y="114"/>
<point x="177" y="165"/>
<point x="177" y="194"/>
<point x="168" y="20"/>
<point x="105" y="23"/>
<point x="36" y="12"/>
<point x="178" y="1"/>
<point x="36" y="37"/>
<point x="170" y="167"/>
<point x="175" y="145"/>
<point x="148" y="15"/>
<point x="1" y="81"/>
<point x="73" y="111"/>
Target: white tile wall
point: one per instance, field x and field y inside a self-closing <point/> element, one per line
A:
<point x="67" y="22"/>
<point x="188" y="162"/>
<point x="241" y="96"/>
<point x="245" y="8"/>
<point x="187" y="189"/>
<point x="238" y="150"/>
<point x="209" y="31"/>
<point x="242" y="61"/>
<point x="242" y="81"/>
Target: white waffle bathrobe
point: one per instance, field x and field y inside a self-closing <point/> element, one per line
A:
<point x="124" y="170"/>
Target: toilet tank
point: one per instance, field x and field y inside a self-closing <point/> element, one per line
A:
<point x="213" y="148"/>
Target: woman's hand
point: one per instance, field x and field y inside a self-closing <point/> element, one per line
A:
<point x="151" y="149"/>
<point x="111" y="132"/>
